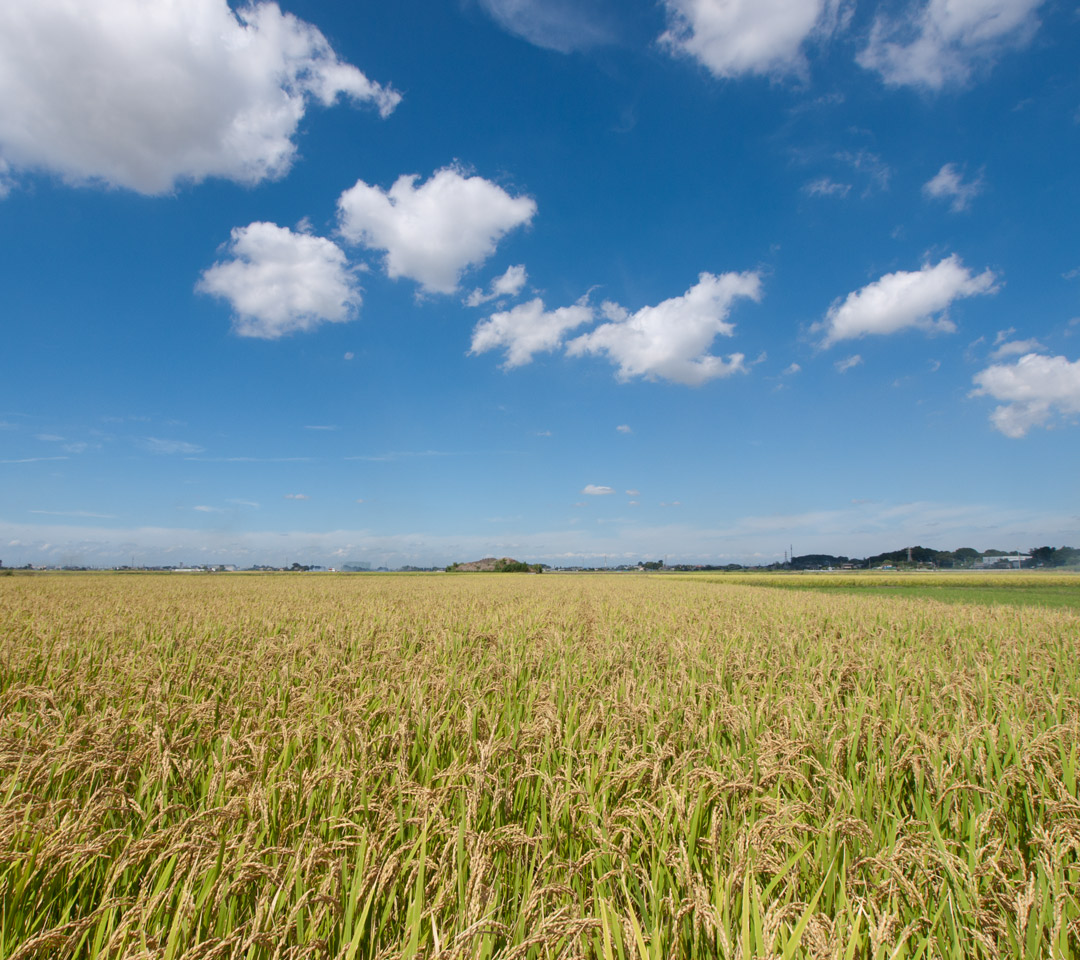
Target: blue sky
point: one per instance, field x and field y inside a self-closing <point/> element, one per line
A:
<point x="427" y="281"/>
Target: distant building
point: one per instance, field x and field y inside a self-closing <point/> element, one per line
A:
<point x="1016" y="560"/>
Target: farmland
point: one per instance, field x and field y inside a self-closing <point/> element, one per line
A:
<point x="532" y="767"/>
<point x="1042" y="589"/>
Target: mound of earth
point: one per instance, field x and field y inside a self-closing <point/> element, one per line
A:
<point x="487" y="565"/>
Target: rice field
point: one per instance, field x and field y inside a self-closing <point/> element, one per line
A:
<point x="494" y="766"/>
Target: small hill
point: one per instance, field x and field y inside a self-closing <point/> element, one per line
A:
<point x="490" y="565"/>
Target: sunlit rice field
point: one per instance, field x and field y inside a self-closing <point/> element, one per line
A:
<point x="532" y="767"/>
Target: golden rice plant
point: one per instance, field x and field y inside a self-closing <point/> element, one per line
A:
<point x="486" y="766"/>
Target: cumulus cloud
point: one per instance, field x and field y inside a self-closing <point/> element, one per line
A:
<point x="280" y="282"/>
<point x="735" y="37"/>
<point x="508" y="284"/>
<point x="843" y="366"/>
<point x="562" y="25"/>
<point x="144" y="95"/>
<point x="940" y="42"/>
<point x="671" y="340"/>
<point x="597" y="491"/>
<point x="948" y="184"/>
<point x="905" y="300"/>
<point x="1033" y="390"/>
<point x="433" y="232"/>
<point x="527" y="329"/>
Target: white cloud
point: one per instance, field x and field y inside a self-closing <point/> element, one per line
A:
<point x="562" y="25"/>
<point x="597" y="491"/>
<point x="790" y="370"/>
<point x="143" y="95"/>
<point x="321" y="427"/>
<point x="433" y="232"/>
<point x="159" y="445"/>
<point x="623" y="428"/>
<point x="201" y="508"/>
<point x="279" y="282"/>
<point x="1016" y="348"/>
<point x="633" y="493"/>
<point x="843" y="366"/>
<point x="904" y="300"/>
<point x="297" y="496"/>
<point x="1033" y="389"/>
<point x="671" y="340"/>
<point x="33" y="459"/>
<point x="527" y="329"/>
<point x="509" y="284"/>
<point x="734" y="37"/>
<point x="940" y="42"/>
<point x="826" y="187"/>
<point x="948" y="184"/>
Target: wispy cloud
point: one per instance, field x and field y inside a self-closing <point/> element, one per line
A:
<point x="948" y="184"/>
<point x="34" y="459"/>
<point x="594" y="490"/>
<point x="249" y="459"/>
<point x="321" y="427"/>
<point x="826" y="187"/>
<point x="75" y="513"/>
<point x="623" y="428"/>
<point x="1016" y="348"/>
<point x="163" y="446"/>
<point x="843" y="366"/>
<point x="297" y="496"/>
<point x="244" y="503"/>
<point x="398" y="455"/>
